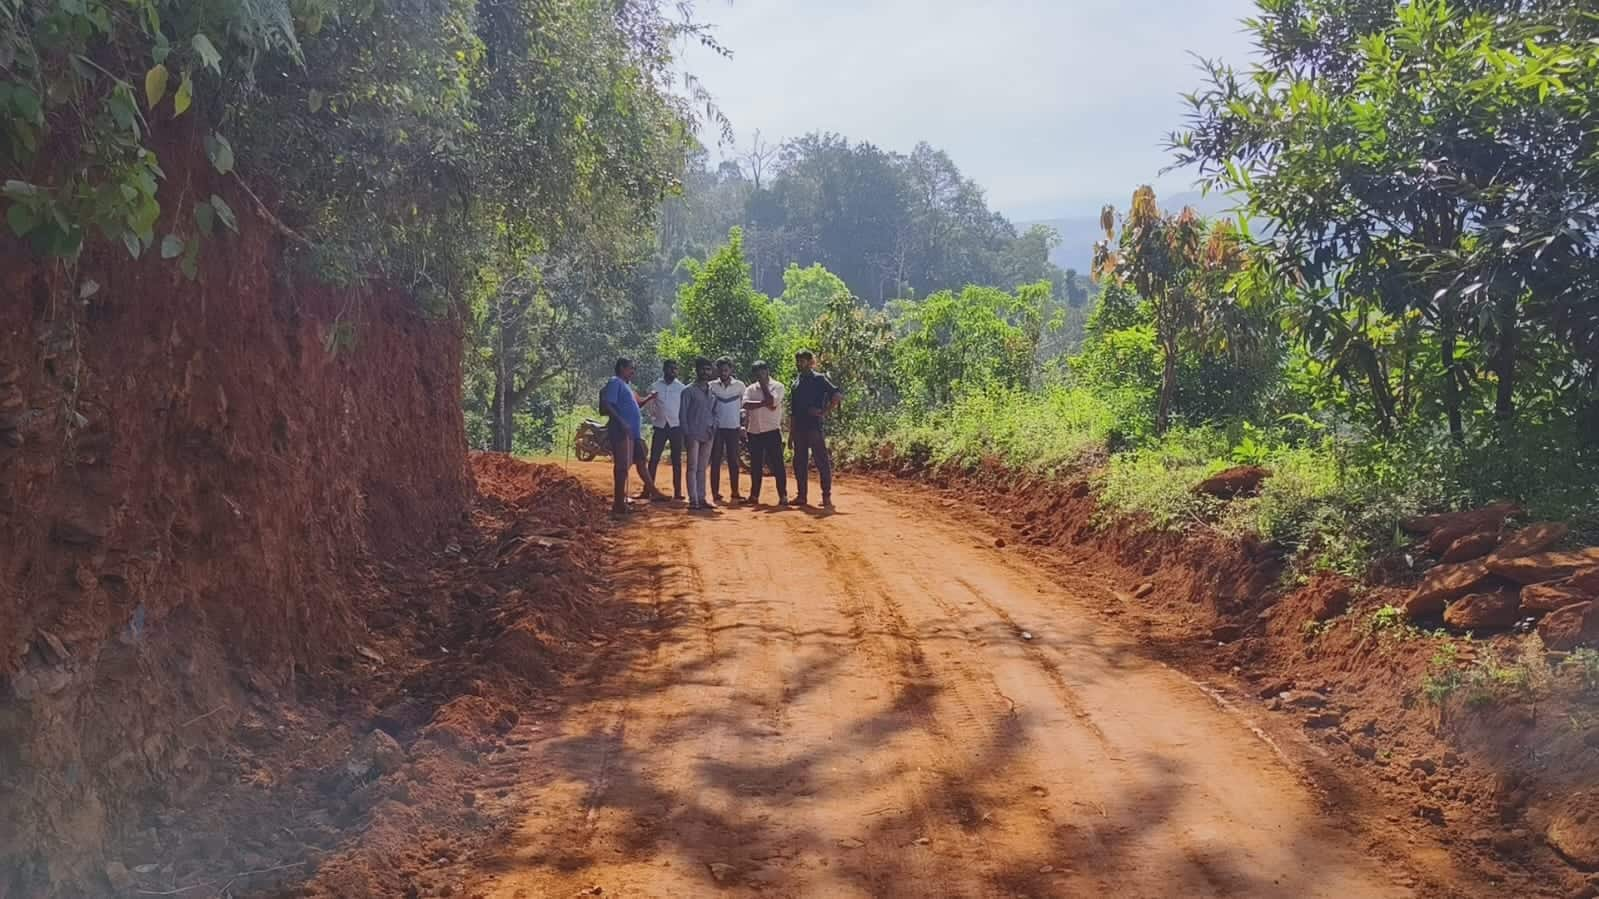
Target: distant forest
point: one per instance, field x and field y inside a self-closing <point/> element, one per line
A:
<point x="891" y="225"/>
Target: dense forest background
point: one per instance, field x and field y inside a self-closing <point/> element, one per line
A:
<point x="1386" y="289"/>
<point x="815" y="216"/>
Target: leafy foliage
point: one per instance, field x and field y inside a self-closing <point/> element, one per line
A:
<point x="1181" y="266"/>
<point x="854" y="345"/>
<point x="978" y="338"/>
<point x="76" y="140"/>
<point x="1428" y="175"/>
<point x="719" y="313"/>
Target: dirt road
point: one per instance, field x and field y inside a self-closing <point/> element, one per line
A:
<point x="879" y="702"/>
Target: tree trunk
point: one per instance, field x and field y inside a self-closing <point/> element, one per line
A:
<point x="502" y="426"/>
<point x="1504" y="360"/>
<point x="1381" y="394"/>
<point x="1451" y="385"/>
<point x="1168" y="387"/>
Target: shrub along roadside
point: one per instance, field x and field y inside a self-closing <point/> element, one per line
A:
<point x="1332" y="502"/>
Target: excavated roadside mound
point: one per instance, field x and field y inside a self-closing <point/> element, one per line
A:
<point x="193" y="477"/>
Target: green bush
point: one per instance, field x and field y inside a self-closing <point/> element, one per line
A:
<point x="1157" y="480"/>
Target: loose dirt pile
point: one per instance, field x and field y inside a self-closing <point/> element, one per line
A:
<point x="389" y="762"/>
<point x="1489" y="741"/>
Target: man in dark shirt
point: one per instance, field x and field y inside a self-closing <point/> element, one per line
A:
<point x="814" y="398"/>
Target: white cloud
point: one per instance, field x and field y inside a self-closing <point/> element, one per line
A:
<point x="1051" y="106"/>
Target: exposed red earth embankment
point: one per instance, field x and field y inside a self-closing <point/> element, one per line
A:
<point x="193" y="477"/>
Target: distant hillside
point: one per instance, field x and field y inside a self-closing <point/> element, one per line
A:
<point x="1079" y="231"/>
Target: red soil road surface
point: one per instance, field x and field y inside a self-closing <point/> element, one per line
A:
<point x="846" y="706"/>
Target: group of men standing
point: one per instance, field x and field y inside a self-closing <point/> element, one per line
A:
<point x="702" y="422"/>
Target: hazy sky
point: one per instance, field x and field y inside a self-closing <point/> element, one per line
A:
<point x="1053" y="106"/>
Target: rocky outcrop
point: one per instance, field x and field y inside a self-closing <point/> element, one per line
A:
<point x="1545" y="566"/>
<point x="1472" y="546"/>
<point x="1245" y="480"/>
<point x="1533" y="538"/>
<point x="1555" y="595"/>
<point x="1488" y="517"/>
<point x="1570" y="627"/>
<point x="1444" y="583"/>
<point x="1495" y="611"/>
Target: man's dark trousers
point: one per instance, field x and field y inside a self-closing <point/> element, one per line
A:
<point x="766" y="452"/>
<point x="726" y="444"/>
<point x="811" y="441"/>
<point x="660" y="438"/>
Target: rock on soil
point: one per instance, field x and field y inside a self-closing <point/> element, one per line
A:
<point x="1487" y="517"/>
<point x="1553" y="595"/>
<point x="1329" y="597"/>
<point x="1245" y="480"/>
<point x="1574" y="829"/>
<point x="1494" y="611"/>
<point x="1531" y="539"/>
<point x="1442" y="584"/>
<point x="378" y="753"/>
<point x="1472" y="546"/>
<point x="1586" y="580"/>
<point x="1570" y="627"/>
<point x="1545" y="566"/>
<point x="1439" y="541"/>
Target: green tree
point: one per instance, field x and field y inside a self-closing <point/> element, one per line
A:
<point x="1181" y="266"/>
<point x="953" y="342"/>
<point x="1430" y="181"/>
<point x="807" y="293"/>
<point x="854" y="345"/>
<point x="719" y="312"/>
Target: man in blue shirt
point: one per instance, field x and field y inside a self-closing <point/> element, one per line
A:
<point x="623" y="428"/>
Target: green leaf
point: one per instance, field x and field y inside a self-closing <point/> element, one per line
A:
<point x="205" y="217"/>
<point x="21" y="219"/>
<point x="188" y="265"/>
<point x="155" y="84"/>
<point x="171" y="246"/>
<point x="314" y="101"/>
<point x="88" y="288"/>
<point x="220" y="152"/>
<point x="131" y="241"/>
<point x="184" y="96"/>
<point x="209" y="57"/>
<point x="224" y="213"/>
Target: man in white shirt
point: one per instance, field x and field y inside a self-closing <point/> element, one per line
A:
<point x="728" y="394"/>
<point x="664" y="427"/>
<point x="763" y="403"/>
